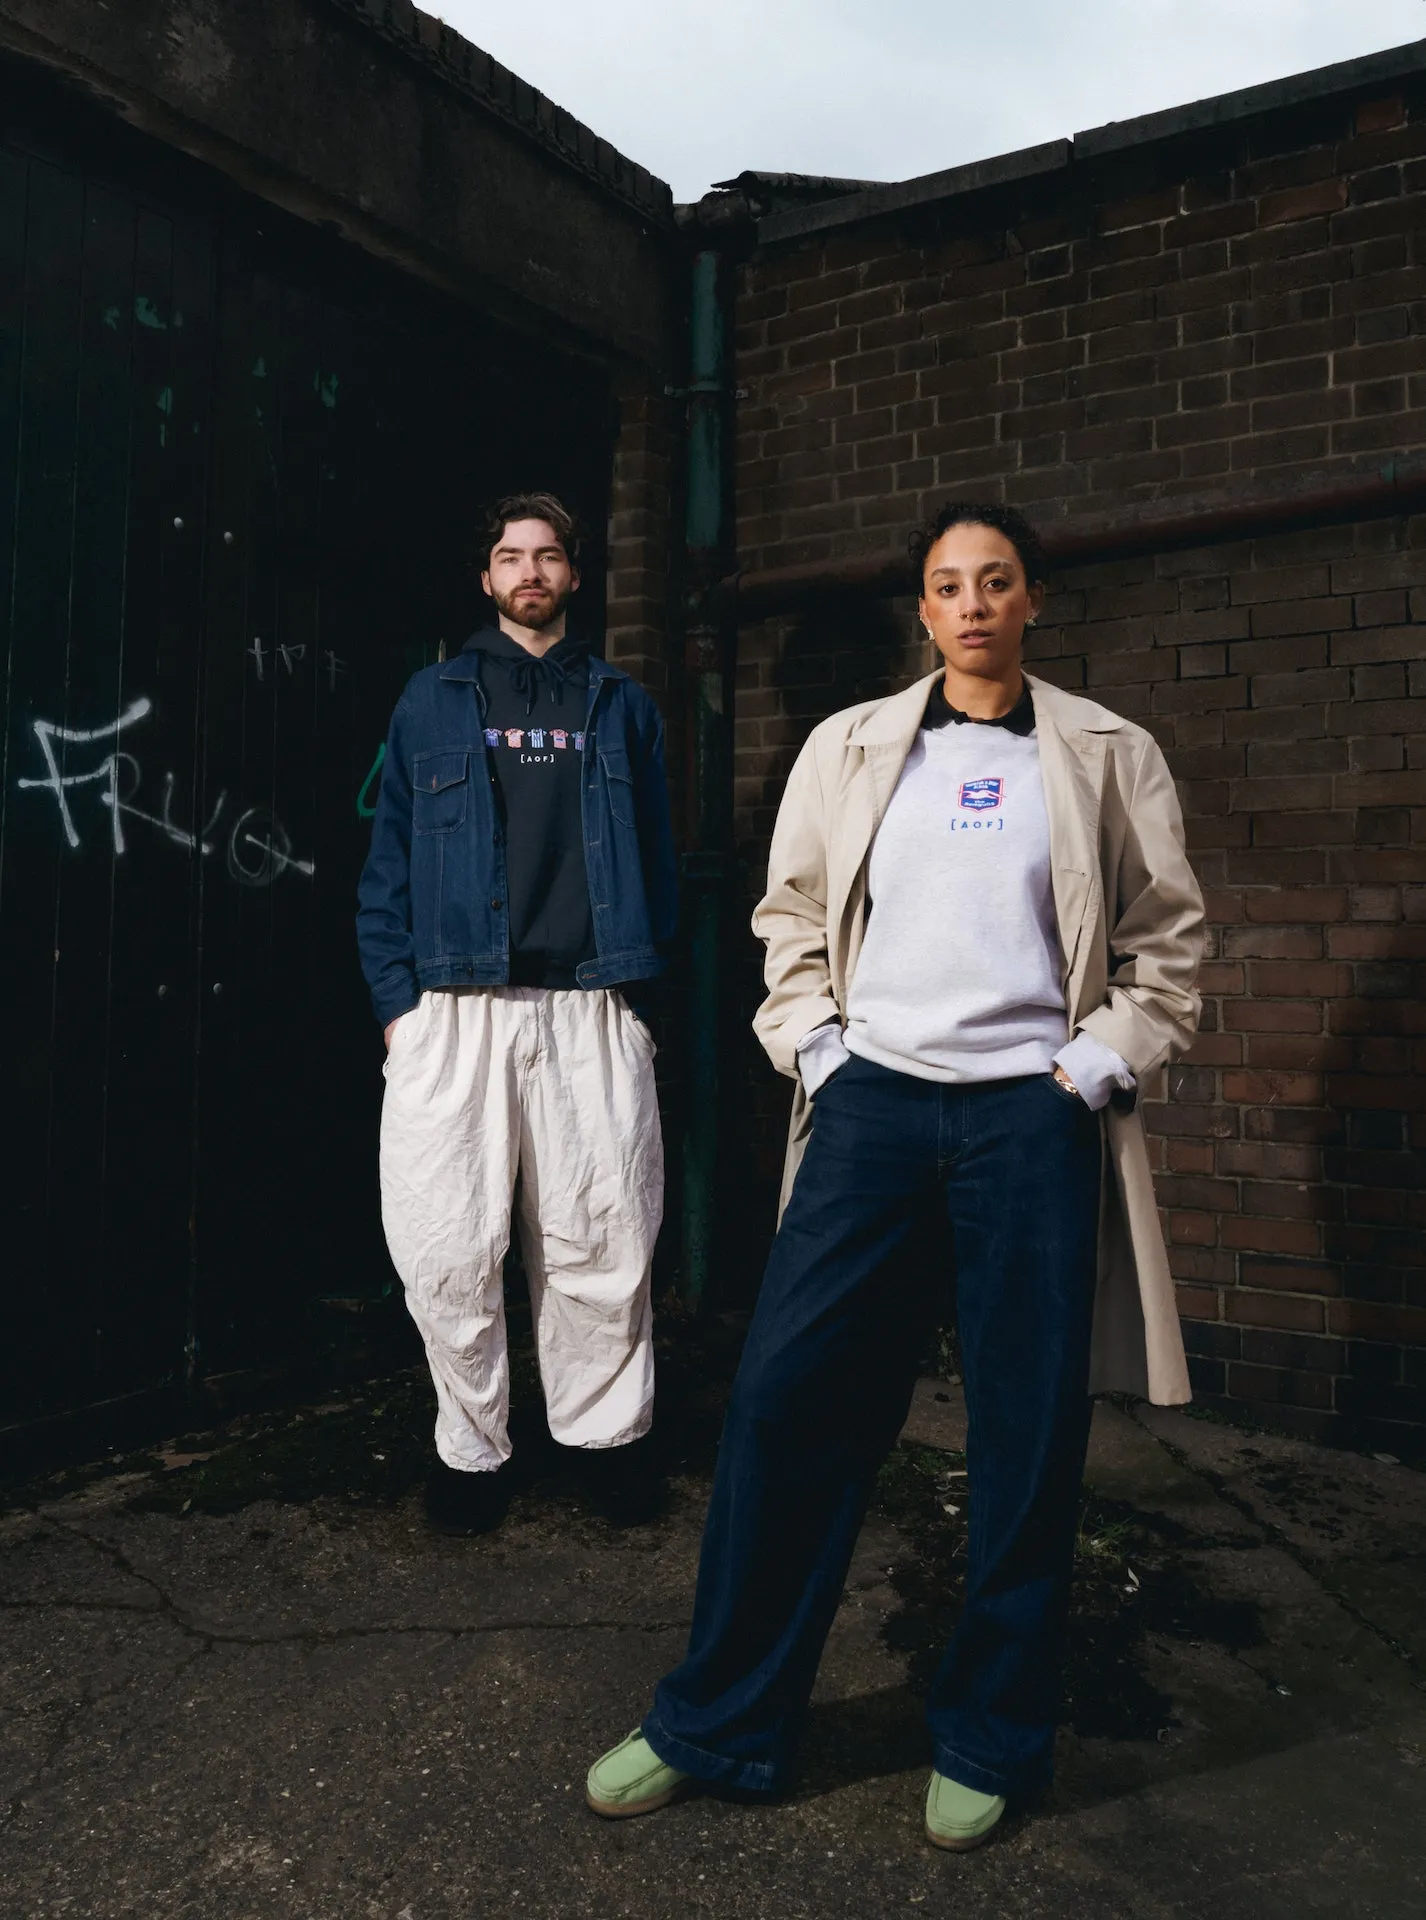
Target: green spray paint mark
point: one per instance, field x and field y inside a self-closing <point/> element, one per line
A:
<point x="111" y="319"/>
<point x="326" y="390"/>
<point x="147" y="314"/>
<point x="177" y="318"/>
<point x="259" y="368"/>
<point x="364" y="810"/>
<point x="165" y="407"/>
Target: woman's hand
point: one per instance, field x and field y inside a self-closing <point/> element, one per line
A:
<point x="391" y="1027"/>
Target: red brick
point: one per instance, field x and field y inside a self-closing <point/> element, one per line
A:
<point x="1297" y="1125"/>
<point x="1378" y="1320"/>
<point x="1377" y="116"/>
<point x="1299" y="978"/>
<point x="1220" y="976"/>
<point x="1298" y="1313"/>
<point x="1298" y="1052"/>
<point x="1197" y="1303"/>
<point x="1284" y="905"/>
<point x="1254" y="1235"/>
<point x="1377" y="943"/>
<point x="1272" y="943"/>
<point x="1279" y="1386"/>
<point x="1215" y="1050"/>
<point x="1404" y="1092"/>
<point x="1268" y="1160"/>
<point x="1273" y="1016"/>
<point x="1279" y="1089"/>
<point x="1291" y="1276"/>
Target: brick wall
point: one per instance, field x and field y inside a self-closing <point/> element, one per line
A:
<point x="1218" y="310"/>
<point x="639" y="533"/>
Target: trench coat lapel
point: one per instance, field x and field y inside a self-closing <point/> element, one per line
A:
<point x="882" y="739"/>
<point x="1073" y="758"/>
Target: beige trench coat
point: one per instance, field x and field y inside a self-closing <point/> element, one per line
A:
<point x="1130" y="921"/>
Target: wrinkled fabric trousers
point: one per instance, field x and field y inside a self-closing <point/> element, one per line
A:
<point x="1011" y="1169"/>
<point x="484" y="1084"/>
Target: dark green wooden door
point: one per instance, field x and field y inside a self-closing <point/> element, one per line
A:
<point x="239" y="470"/>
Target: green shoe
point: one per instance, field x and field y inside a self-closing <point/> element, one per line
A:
<point x="958" y="1817"/>
<point x="631" y="1779"/>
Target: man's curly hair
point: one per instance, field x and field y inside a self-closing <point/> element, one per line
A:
<point x="529" y="506"/>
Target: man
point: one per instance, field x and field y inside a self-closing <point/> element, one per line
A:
<point x="521" y="872"/>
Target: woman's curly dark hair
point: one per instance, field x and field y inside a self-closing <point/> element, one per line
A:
<point x="971" y="513"/>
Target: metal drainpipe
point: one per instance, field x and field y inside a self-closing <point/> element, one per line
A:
<point x="707" y="865"/>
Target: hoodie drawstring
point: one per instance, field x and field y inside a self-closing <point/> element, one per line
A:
<point x="525" y="678"/>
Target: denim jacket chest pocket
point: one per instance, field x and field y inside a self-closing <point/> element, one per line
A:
<point x="618" y="783"/>
<point x="439" y="790"/>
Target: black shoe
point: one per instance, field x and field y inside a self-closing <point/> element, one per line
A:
<point x="622" y="1484"/>
<point x="465" y="1503"/>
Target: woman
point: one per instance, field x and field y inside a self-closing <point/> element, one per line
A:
<point x="976" y="1041"/>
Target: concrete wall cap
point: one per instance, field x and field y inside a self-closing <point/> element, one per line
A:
<point x="1321" y="83"/>
<point x="483" y="79"/>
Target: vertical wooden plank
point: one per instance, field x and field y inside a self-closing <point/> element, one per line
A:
<point x="83" y="955"/>
<point x="43" y="829"/>
<point x="17" y="1315"/>
<point x="147" y="1196"/>
<point x="243" y="1257"/>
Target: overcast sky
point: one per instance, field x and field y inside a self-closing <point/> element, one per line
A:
<point x="886" y="89"/>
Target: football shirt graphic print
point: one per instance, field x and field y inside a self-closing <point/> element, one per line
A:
<point x="980" y="795"/>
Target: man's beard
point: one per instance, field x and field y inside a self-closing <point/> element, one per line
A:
<point x="534" y="615"/>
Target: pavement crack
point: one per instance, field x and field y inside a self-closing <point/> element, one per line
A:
<point x="72" y="1715"/>
<point x="330" y="1636"/>
<point x="211" y="1634"/>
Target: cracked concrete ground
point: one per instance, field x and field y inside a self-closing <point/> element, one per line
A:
<point x="242" y="1681"/>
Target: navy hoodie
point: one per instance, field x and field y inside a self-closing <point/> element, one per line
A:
<point x="534" y="737"/>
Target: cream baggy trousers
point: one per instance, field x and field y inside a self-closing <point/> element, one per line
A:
<point x="481" y="1084"/>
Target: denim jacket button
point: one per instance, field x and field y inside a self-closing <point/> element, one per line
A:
<point x="496" y="905"/>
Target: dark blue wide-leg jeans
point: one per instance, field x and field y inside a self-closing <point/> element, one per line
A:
<point x="1013" y="1167"/>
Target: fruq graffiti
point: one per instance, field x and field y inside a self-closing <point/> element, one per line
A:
<point x="259" y="850"/>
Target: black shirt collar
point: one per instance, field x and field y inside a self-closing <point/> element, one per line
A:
<point x="940" y="713"/>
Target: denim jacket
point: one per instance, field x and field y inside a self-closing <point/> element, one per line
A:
<point x="431" y="898"/>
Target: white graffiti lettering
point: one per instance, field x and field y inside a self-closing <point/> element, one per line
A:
<point x="260" y="852"/>
<point x="259" y="849"/>
<point x="47" y="732"/>
<point x="292" y="654"/>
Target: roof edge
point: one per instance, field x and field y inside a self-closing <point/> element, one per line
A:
<point x="482" y="79"/>
<point x="1318" y="83"/>
<point x="1049" y="157"/>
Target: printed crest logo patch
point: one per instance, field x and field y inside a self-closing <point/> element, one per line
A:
<point x="980" y="795"/>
